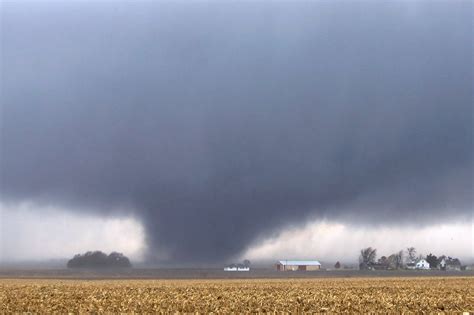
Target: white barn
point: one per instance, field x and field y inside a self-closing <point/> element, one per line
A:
<point x="301" y="265"/>
<point x="237" y="267"/>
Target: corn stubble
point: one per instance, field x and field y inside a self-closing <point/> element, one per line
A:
<point x="257" y="295"/>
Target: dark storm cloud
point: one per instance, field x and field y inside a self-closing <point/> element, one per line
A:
<point x="219" y="122"/>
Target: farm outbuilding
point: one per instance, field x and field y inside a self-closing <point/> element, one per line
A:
<point x="237" y="267"/>
<point x="298" y="265"/>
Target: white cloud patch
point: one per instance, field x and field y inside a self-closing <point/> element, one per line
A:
<point x="28" y="232"/>
<point x="331" y="241"/>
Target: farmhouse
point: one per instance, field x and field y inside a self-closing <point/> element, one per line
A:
<point x="450" y="264"/>
<point x="422" y="264"/>
<point x="301" y="265"/>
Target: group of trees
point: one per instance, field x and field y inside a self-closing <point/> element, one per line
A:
<point x="398" y="260"/>
<point x="98" y="259"/>
<point x="435" y="261"/>
<point x="368" y="259"/>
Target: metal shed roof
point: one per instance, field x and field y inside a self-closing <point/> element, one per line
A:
<point x="299" y="262"/>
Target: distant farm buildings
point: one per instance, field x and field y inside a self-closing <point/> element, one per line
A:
<point x="448" y="263"/>
<point x="298" y="265"/>
<point x="237" y="267"/>
<point x="422" y="264"/>
<point x="245" y="266"/>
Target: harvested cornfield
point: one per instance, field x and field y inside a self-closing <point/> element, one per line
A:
<point x="249" y="295"/>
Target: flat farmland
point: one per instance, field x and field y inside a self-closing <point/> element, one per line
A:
<point x="427" y="294"/>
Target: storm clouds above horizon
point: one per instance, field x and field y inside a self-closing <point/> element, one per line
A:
<point x="217" y="123"/>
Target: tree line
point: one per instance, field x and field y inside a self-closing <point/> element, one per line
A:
<point x="98" y="259"/>
<point x="402" y="259"/>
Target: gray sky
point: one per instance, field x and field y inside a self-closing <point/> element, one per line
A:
<point x="216" y="124"/>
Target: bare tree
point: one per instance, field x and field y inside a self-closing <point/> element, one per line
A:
<point x="400" y="257"/>
<point x="411" y="253"/>
<point x="396" y="260"/>
<point x="367" y="257"/>
<point x="383" y="261"/>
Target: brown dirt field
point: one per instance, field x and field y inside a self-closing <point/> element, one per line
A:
<point x="429" y="294"/>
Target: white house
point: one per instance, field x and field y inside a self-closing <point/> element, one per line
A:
<point x="422" y="264"/>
